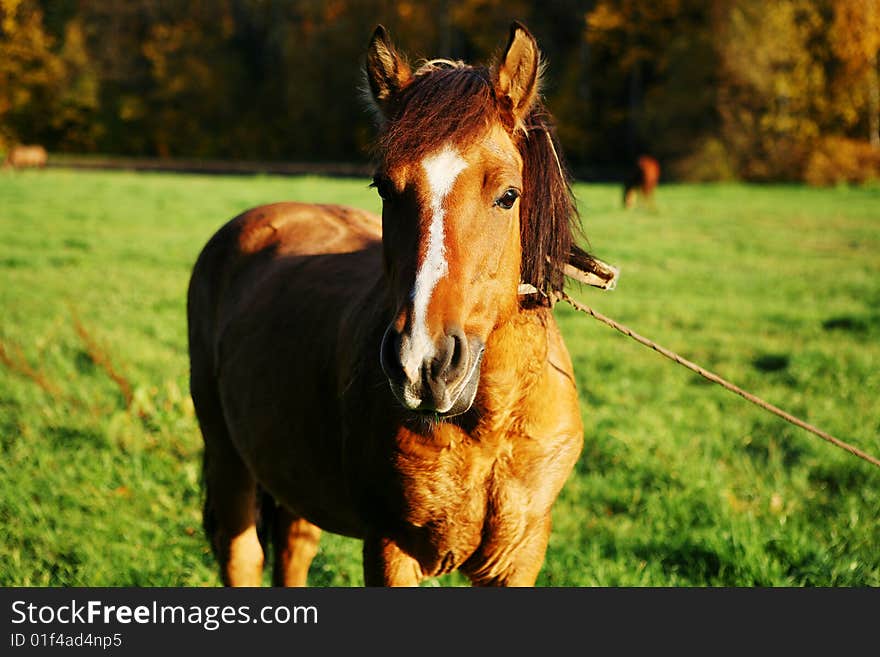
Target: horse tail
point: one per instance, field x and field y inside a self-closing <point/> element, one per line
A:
<point x="209" y="510"/>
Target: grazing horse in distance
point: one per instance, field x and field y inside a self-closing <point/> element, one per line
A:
<point x="23" y="157"/>
<point x="642" y="180"/>
<point x="400" y="380"/>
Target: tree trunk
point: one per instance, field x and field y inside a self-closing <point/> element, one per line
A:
<point x="635" y="106"/>
<point x="874" y="104"/>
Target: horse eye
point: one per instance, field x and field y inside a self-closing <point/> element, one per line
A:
<point x="382" y="186"/>
<point x="507" y="199"/>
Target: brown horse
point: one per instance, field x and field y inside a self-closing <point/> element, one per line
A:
<point x="642" y="180"/>
<point x="391" y="379"/>
<point x="22" y="157"/>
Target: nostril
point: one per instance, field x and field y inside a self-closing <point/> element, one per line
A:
<point x="439" y="365"/>
<point x="457" y="360"/>
<point x="458" y="355"/>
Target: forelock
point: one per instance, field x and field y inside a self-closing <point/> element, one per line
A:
<point x="446" y="102"/>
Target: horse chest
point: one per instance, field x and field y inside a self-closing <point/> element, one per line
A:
<point x="462" y="501"/>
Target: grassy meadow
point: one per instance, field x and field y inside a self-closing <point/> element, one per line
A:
<point x="680" y="483"/>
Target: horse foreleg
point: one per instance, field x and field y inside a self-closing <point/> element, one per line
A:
<point x="296" y="544"/>
<point x="385" y="564"/>
<point x="525" y="563"/>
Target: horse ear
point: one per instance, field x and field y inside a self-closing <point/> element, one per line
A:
<point x="387" y="71"/>
<point x="516" y="76"/>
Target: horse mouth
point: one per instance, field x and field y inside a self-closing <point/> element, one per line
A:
<point x="454" y="400"/>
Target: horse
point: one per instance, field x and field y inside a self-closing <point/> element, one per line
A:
<point x="21" y="157"/>
<point x="398" y="379"/>
<point x="642" y="180"/>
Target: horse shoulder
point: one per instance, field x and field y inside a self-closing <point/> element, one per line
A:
<point x="549" y="435"/>
<point x="553" y="407"/>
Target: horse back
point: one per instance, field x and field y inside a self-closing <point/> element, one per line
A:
<point x="287" y="250"/>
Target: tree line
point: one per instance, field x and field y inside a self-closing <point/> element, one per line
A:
<point x="714" y="89"/>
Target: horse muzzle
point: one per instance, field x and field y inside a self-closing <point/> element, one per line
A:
<point x="439" y="378"/>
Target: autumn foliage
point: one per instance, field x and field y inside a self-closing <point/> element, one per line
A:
<point x="714" y="89"/>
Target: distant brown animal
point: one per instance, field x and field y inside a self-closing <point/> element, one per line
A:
<point x="22" y="157"/>
<point x="400" y="380"/>
<point x="643" y="180"/>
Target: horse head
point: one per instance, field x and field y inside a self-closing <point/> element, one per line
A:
<point x="475" y="203"/>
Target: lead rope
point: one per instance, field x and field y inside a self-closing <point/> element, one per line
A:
<point x="714" y="378"/>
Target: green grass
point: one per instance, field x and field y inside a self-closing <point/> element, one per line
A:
<point x="680" y="482"/>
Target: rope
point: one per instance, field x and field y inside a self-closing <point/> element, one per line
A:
<point x="717" y="379"/>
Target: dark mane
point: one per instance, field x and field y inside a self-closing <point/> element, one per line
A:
<point x="445" y="101"/>
<point x="450" y="101"/>
<point x="550" y="223"/>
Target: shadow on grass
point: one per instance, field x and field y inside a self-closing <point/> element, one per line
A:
<point x="771" y="362"/>
<point x="851" y="323"/>
<point x="69" y="437"/>
<point x="693" y="560"/>
<point x="835" y="478"/>
<point x="770" y="441"/>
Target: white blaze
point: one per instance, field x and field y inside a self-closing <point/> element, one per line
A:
<point x="441" y="169"/>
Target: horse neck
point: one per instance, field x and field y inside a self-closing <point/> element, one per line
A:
<point x="515" y="357"/>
